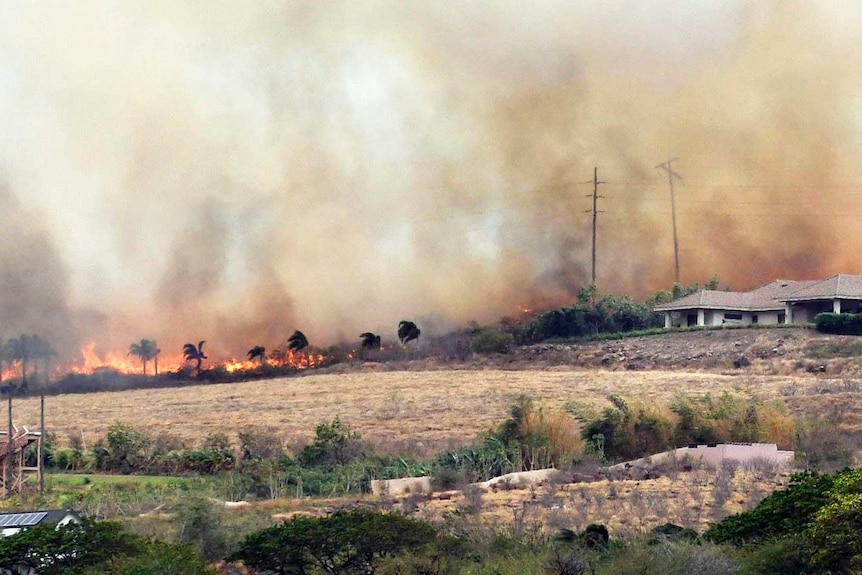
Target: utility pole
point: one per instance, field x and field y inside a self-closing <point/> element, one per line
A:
<point x="666" y="166"/>
<point x="596" y="213"/>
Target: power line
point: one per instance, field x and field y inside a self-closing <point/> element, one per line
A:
<point x="666" y="166"/>
<point x="596" y="213"/>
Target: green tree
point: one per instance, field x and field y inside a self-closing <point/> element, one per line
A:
<point x="334" y="444"/>
<point x="49" y="550"/>
<point x="195" y="353"/>
<point x="345" y="543"/>
<point x="587" y="294"/>
<point x="145" y="350"/>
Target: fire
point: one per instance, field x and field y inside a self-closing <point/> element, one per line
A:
<point x="91" y="361"/>
<point x="295" y="359"/>
<point x="279" y="358"/>
<point x="233" y="365"/>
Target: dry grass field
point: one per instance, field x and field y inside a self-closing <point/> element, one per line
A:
<point x="427" y="409"/>
<point x="694" y="499"/>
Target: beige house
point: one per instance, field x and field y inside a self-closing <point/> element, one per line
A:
<point x="779" y="302"/>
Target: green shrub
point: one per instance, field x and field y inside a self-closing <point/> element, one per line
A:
<point x="490" y="340"/>
<point x="530" y="438"/>
<point x="334" y="444"/>
<point x="676" y="558"/>
<point x="94" y="547"/>
<point x="839" y="323"/>
<point x="346" y="542"/>
<point x="784" y="512"/>
<point x="625" y="432"/>
<point x="611" y="314"/>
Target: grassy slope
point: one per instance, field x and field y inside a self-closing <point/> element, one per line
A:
<point x="427" y="409"/>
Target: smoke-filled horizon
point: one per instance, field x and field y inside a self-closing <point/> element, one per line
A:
<point x="218" y="171"/>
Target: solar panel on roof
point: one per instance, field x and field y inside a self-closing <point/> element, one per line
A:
<point x="22" y="519"/>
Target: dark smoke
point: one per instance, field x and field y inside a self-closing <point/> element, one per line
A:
<point x="235" y="173"/>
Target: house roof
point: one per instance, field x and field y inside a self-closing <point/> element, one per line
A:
<point x="840" y="286"/>
<point x="772" y="295"/>
<point x="708" y="299"/>
<point x="31" y="518"/>
<point x="764" y="298"/>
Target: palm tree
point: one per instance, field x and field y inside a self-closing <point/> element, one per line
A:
<point x="369" y="340"/>
<point x="297" y="342"/>
<point x="20" y="349"/>
<point x="156" y="357"/>
<point x="257" y="351"/>
<point x="145" y="350"/>
<point x="407" y="331"/>
<point x="41" y="350"/>
<point x="192" y="353"/>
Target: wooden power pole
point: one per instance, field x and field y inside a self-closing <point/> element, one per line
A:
<point x="666" y="166"/>
<point x="596" y="213"/>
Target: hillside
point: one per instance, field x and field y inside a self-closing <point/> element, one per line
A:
<point x="762" y="351"/>
<point x="431" y="404"/>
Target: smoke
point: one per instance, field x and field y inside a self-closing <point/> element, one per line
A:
<point x="232" y="173"/>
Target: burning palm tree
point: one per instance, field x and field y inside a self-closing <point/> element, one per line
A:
<point x="20" y="349"/>
<point x="156" y="357"/>
<point x="192" y="353"/>
<point x="41" y="350"/>
<point x="370" y="340"/>
<point x="407" y="331"/>
<point x="146" y="350"/>
<point x="258" y="352"/>
<point x="297" y="342"/>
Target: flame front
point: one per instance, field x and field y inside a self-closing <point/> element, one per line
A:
<point x="279" y="358"/>
<point x="91" y="361"/>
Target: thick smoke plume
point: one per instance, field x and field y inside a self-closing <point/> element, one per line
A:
<point x="232" y="171"/>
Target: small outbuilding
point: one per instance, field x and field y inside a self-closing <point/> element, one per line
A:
<point x="12" y="523"/>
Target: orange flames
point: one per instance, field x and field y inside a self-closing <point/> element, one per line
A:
<point x="279" y="358"/>
<point x="92" y="361"/>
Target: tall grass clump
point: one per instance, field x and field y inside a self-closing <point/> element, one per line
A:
<point x="532" y="437"/>
<point x="623" y="431"/>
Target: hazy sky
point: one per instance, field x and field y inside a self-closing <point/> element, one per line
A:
<point x="232" y="172"/>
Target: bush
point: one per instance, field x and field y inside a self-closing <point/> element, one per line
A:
<point x="94" y="547"/>
<point x="489" y="340"/>
<point x="784" y="512"/>
<point x="839" y="323"/>
<point x="611" y="314"/>
<point x="334" y="445"/>
<point x="678" y="558"/>
<point x="531" y="438"/>
<point x="624" y="432"/>
<point x="346" y="542"/>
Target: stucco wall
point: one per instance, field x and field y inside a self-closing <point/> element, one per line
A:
<point x="401" y="486"/>
<point x="714" y="454"/>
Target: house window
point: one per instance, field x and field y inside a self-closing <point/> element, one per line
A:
<point x="754" y="318"/>
<point x="733" y="316"/>
<point x="782" y="317"/>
